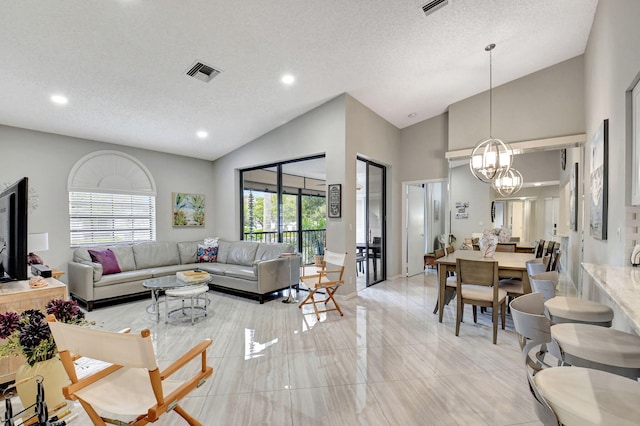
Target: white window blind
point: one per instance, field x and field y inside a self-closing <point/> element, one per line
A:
<point x="102" y="218"/>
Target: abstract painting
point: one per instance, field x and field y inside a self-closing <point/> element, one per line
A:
<point x="598" y="176"/>
<point x="188" y="209"/>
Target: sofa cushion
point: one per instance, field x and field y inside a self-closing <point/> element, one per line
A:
<point x="242" y="272"/>
<point x="188" y="251"/>
<point x="213" y="268"/>
<point x="161" y="271"/>
<point x="267" y="251"/>
<point x="223" y="251"/>
<point x="107" y="259"/>
<point x="149" y="255"/>
<point x="242" y="253"/>
<point x="123" y="277"/>
<point x="124" y="254"/>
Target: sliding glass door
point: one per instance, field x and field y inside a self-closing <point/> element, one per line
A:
<point x="371" y="220"/>
<point x="285" y="202"/>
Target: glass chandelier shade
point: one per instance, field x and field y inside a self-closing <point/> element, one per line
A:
<point x="508" y="183"/>
<point x="490" y="158"/>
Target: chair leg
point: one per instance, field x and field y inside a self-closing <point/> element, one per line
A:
<point x="330" y="296"/>
<point x="494" y="318"/>
<point x="93" y="415"/>
<point x="475" y="314"/>
<point x="435" y="310"/>
<point x="459" y="311"/>
<point x="504" y="314"/>
<point x="193" y="422"/>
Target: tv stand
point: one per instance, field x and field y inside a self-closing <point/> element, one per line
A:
<point x="18" y="296"/>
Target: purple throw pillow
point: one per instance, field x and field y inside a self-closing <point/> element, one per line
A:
<point x="107" y="259"/>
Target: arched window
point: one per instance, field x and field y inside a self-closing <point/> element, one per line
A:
<point x="112" y="199"/>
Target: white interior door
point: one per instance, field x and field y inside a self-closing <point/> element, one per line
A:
<point x="517" y="219"/>
<point x="415" y="229"/>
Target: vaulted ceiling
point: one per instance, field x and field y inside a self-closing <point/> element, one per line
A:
<point x="122" y="63"/>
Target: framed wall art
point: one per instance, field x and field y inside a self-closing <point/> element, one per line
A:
<point x="598" y="176"/>
<point x="188" y="209"/>
<point x="335" y="200"/>
<point x="573" y="199"/>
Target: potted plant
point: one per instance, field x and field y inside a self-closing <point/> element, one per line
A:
<point x="318" y="252"/>
<point x="28" y="334"/>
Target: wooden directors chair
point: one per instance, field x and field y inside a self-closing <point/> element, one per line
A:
<point x="129" y="382"/>
<point x="328" y="279"/>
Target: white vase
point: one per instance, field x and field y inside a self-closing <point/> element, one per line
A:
<point x="54" y="375"/>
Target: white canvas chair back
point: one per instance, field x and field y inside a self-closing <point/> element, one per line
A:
<point x="127" y="350"/>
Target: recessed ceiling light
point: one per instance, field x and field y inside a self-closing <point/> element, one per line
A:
<point x="202" y="134"/>
<point x="413" y="114"/>
<point x="537" y="184"/>
<point x="288" y="79"/>
<point x="59" y="99"/>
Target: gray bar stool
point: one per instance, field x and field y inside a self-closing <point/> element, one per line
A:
<point x="607" y="349"/>
<point x="561" y="309"/>
<point x="583" y="396"/>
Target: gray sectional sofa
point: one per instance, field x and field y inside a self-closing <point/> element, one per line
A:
<point x="245" y="267"/>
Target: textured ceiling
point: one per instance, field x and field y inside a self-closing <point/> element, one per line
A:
<point x="121" y="63"/>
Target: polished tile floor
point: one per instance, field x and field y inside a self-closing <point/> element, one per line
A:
<point x="386" y="362"/>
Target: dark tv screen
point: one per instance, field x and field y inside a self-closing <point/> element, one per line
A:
<point x="13" y="231"/>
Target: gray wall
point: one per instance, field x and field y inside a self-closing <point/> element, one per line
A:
<point x="612" y="62"/>
<point x="423" y="146"/>
<point x="547" y="103"/>
<point x="47" y="160"/>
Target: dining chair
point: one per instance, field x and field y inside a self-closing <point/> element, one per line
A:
<point x="477" y="285"/>
<point x="450" y="249"/>
<point x="450" y="286"/>
<point x="326" y="279"/>
<point x="554" y="260"/>
<point x="550" y="247"/>
<point x="125" y="378"/>
<point x="539" y="248"/>
<point x="506" y="247"/>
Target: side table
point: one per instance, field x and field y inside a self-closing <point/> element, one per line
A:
<point x="18" y="296"/>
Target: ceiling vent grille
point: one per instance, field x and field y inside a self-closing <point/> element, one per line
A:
<point x="203" y="72"/>
<point x="433" y="6"/>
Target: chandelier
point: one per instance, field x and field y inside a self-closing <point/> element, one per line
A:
<point x="508" y="183"/>
<point x="491" y="157"/>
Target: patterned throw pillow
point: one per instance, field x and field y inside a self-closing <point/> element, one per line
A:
<point x="107" y="259"/>
<point x="206" y="253"/>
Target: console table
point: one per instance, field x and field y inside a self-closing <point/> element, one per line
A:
<point x="18" y="296"/>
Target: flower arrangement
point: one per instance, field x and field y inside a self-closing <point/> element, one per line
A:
<point x="28" y="333"/>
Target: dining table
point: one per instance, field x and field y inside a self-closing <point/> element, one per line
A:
<point x="512" y="265"/>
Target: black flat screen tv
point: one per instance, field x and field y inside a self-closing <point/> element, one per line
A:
<point x="13" y="231"/>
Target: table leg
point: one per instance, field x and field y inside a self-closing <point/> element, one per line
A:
<point x="442" y="281"/>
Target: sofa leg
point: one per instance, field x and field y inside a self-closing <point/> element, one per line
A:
<point x="89" y="306"/>
<point x="261" y="299"/>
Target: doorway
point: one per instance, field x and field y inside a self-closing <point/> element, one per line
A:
<point x="371" y="217"/>
<point x="424" y="207"/>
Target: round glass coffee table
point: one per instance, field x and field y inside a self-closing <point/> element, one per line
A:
<point x="157" y="285"/>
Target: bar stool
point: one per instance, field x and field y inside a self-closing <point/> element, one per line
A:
<point x="583" y="396"/>
<point x="561" y="309"/>
<point x="195" y="293"/>
<point x="607" y="349"/>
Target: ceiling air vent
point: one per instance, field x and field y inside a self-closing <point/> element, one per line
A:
<point x="434" y="5"/>
<point x="203" y="72"/>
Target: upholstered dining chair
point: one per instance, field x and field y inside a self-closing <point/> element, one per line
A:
<point x="328" y="279"/>
<point x="450" y="286"/>
<point x="539" y="248"/>
<point x="129" y="381"/>
<point x="506" y="247"/>
<point x="477" y="285"/>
